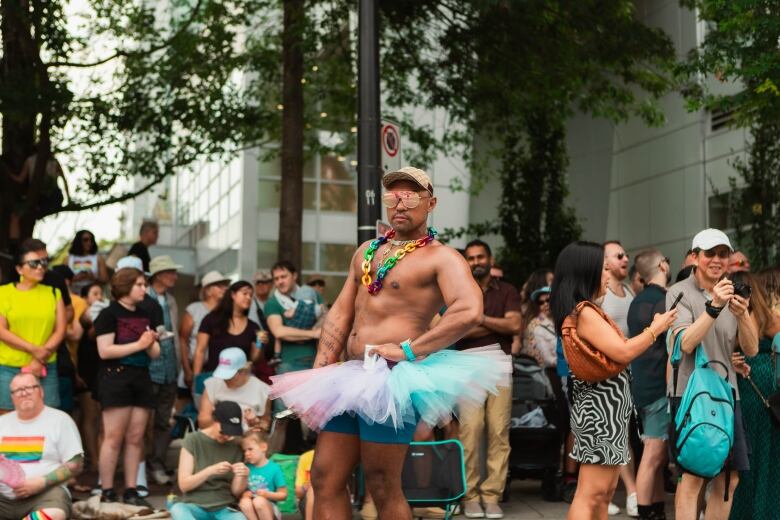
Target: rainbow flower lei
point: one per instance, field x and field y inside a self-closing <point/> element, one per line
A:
<point x="375" y="286"/>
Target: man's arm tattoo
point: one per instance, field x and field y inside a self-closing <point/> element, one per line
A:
<point x="65" y="472"/>
<point x="331" y="343"/>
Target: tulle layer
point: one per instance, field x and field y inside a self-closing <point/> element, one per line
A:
<point x="428" y="390"/>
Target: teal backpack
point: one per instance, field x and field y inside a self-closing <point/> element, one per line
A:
<point x="703" y="430"/>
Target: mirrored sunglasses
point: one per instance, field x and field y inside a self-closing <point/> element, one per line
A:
<point x="411" y="199"/>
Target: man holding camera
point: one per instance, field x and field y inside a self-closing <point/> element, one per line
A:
<point x="713" y="312"/>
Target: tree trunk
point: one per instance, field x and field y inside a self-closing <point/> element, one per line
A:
<point x="21" y="78"/>
<point x="291" y="205"/>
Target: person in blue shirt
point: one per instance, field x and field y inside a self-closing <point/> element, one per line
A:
<point x="266" y="484"/>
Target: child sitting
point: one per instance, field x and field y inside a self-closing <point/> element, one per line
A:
<point x="303" y="490"/>
<point x="266" y="483"/>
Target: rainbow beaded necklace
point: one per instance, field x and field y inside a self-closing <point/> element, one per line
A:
<point x="375" y="286"/>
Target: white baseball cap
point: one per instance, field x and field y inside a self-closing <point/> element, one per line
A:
<point x="710" y="238"/>
<point x="132" y="262"/>
<point x="231" y="360"/>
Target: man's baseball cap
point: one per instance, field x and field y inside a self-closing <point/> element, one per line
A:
<point x="263" y="276"/>
<point x="409" y="173"/>
<point x="228" y="414"/>
<point x="231" y="360"/>
<point x="213" y="277"/>
<point x="710" y="238"/>
<point x="130" y="262"/>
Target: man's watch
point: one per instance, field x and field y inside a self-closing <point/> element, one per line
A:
<point x="713" y="311"/>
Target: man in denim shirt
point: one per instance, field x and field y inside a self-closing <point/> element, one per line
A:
<point x="164" y="370"/>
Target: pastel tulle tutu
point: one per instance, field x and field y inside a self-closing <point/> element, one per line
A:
<point x="428" y="390"/>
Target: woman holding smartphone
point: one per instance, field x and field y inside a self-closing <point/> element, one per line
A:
<point x="126" y="343"/>
<point x="601" y="410"/>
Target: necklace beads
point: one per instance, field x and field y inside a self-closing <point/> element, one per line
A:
<point x="376" y="285"/>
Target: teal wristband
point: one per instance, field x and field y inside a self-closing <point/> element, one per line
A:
<point x="406" y="346"/>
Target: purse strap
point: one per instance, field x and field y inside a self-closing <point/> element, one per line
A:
<point x="757" y="390"/>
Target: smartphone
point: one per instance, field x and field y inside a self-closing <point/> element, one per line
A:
<point x="284" y="414"/>
<point x="676" y="301"/>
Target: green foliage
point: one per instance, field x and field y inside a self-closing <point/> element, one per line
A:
<point x="508" y="74"/>
<point x="141" y="89"/>
<point x="740" y="48"/>
<point x="533" y="218"/>
<point x="755" y="207"/>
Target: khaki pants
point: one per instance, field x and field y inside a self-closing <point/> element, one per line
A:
<point x="493" y="419"/>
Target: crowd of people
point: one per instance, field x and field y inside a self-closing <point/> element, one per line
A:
<point x="123" y="366"/>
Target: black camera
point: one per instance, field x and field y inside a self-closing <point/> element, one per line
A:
<point x="740" y="287"/>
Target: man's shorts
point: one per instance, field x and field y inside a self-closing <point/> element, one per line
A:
<point x="53" y="498"/>
<point x="120" y="386"/>
<point x="740" y="455"/>
<point x="50" y="385"/>
<point x="655" y="419"/>
<point x="382" y="433"/>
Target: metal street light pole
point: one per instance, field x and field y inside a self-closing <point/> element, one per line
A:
<point x="369" y="122"/>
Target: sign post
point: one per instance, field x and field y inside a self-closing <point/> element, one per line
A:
<point x="369" y="167"/>
<point x="391" y="147"/>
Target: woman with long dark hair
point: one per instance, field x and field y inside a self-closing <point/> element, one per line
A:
<point x="601" y="410"/>
<point x="228" y="325"/>
<point x="755" y="495"/>
<point x="87" y="264"/>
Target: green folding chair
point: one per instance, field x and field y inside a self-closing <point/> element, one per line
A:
<point x="434" y="475"/>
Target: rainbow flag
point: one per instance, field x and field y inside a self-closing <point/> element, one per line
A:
<point x="22" y="449"/>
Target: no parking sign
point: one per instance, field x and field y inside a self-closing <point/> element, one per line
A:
<point x="391" y="146"/>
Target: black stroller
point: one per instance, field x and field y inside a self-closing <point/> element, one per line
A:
<point x="535" y="433"/>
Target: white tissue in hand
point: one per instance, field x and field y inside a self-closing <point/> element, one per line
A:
<point x="369" y="359"/>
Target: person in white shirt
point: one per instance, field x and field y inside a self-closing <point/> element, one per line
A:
<point x="233" y="381"/>
<point x="619" y="294"/>
<point x="41" y="450"/>
<point x="616" y="303"/>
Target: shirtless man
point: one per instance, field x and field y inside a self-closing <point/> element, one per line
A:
<point x="413" y="291"/>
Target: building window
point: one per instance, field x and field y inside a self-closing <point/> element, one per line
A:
<point x="338" y="197"/>
<point x="267" y="255"/>
<point x="333" y="188"/>
<point x="269" y="194"/>
<point x="335" y="257"/>
<point x="721" y="214"/>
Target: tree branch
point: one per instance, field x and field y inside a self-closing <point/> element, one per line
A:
<point x="112" y="200"/>
<point x="121" y="53"/>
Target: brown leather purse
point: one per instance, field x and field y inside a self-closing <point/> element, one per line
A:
<point x="585" y="361"/>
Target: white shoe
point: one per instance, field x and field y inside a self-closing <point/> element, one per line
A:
<point x="632" y="509"/>
<point x="161" y="477"/>
<point x="613" y="510"/>
<point x="473" y="510"/>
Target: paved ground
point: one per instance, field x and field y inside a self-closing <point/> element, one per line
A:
<point x="525" y="498"/>
<point x="525" y="503"/>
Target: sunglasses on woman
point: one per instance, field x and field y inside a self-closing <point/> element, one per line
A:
<point x="38" y="262"/>
<point x="411" y="199"/>
<point x="711" y="253"/>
